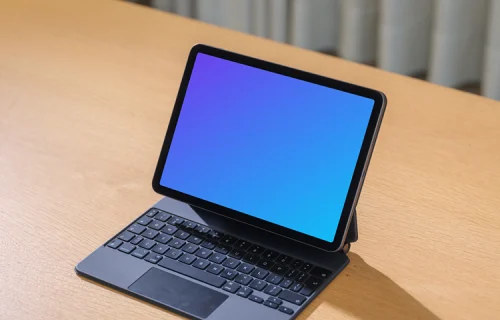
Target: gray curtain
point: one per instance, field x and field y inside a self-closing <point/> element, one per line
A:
<point x="451" y="42"/>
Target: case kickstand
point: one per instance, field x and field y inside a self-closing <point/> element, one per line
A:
<point x="352" y="233"/>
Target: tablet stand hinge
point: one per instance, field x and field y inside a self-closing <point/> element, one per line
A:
<point x="352" y="233"/>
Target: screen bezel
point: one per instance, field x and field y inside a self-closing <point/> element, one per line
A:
<point x="359" y="171"/>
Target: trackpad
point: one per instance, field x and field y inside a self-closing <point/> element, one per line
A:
<point x="178" y="293"/>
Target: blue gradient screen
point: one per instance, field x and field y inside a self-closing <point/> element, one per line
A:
<point x="271" y="146"/>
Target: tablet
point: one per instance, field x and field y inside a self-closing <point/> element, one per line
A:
<point x="277" y="148"/>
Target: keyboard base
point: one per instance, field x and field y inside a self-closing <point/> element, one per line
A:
<point x="120" y="270"/>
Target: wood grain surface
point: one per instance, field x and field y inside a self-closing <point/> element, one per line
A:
<point x="86" y="91"/>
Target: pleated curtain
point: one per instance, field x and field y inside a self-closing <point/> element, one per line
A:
<point x="453" y="43"/>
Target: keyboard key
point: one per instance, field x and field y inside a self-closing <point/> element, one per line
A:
<point x="147" y="244"/>
<point x="296" y="286"/>
<point x="244" y="292"/>
<point x="208" y="244"/>
<point x="255" y="249"/>
<point x="312" y="282"/>
<point x="114" y="243"/>
<point x="203" y="253"/>
<point x="189" y="225"/>
<point x="306" y="267"/>
<point x="292" y="297"/>
<point x="237" y="253"/>
<point x="187" y="258"/>
<point x="157" y="225"/>
<point x="260" y="273"/>
<point x="169" y="229"/>
<point x="285" y="310"/>
<point x="245" y="268"/>
<point x="136" y="228"/>
<point x="150" y="234"/>
<point x="153" y="257"/>
<point x="215" y="235"/>
<point x="291" y="274"/>
<point x="163" y="216"/>
<point x="144" y="220"/>
<point x="140" y="253"/>
<point x="258" y="284"/>
<point x="194" y="239"/>
<point x="244" y="279"/>
<point x="215" y="268"/>
<point x="202" y="229"/>
<point x="301" y="277"/>
<point x="160" y="248"/>
<point x="173" y="254"/>
<point x="228" y="240"/>
<point x="231" y="263"/>
<point x="274" y="278"/>
<point x="242" y="244"/>
<point x="152" y="212"/>
<point x="284" y="260"/>
<point x="270" y="255"/>
<point x="279" y="269"/>
<point x="175" y="221"/>
<point x="182" y="234"/>
<point x="176" y="243"/>
<point x="163" y="238"/>
<point x="306" y="291"/>
<point x="270" y="304"/>
<point x="296" y="264"/>
<point x="222" y="248"/>
<point x="310" y="285"/>
<point x="136" y="240"/>
<point x="190" y="248"/>
<point x="320" y="273"/>
<point x="201" y="264"/>
<point x="286" y="283"/>
<point x="252" y="258"/>
<point x="266" y="264"/>
<point x="194" y="273"/>
<point x="217" y="257"/>
<point x="229" y="274"/>
<point x="231" y="287"/>
<point x="273" y="290"/>
<point x="255" y="298"/>
<point x="126" y="247"/>
<point x="275" y="300"/>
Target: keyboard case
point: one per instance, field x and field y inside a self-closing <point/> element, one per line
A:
<point x="120" y="271"/>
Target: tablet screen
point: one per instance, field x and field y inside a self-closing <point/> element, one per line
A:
<point x="270" y="146"/>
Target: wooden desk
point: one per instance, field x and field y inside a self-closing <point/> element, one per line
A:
<point x="86" y="91"/>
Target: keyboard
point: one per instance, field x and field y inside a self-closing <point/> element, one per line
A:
<point x="223" y="261"/>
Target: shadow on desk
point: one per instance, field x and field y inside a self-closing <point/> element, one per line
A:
<point x="366" y="293"/>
